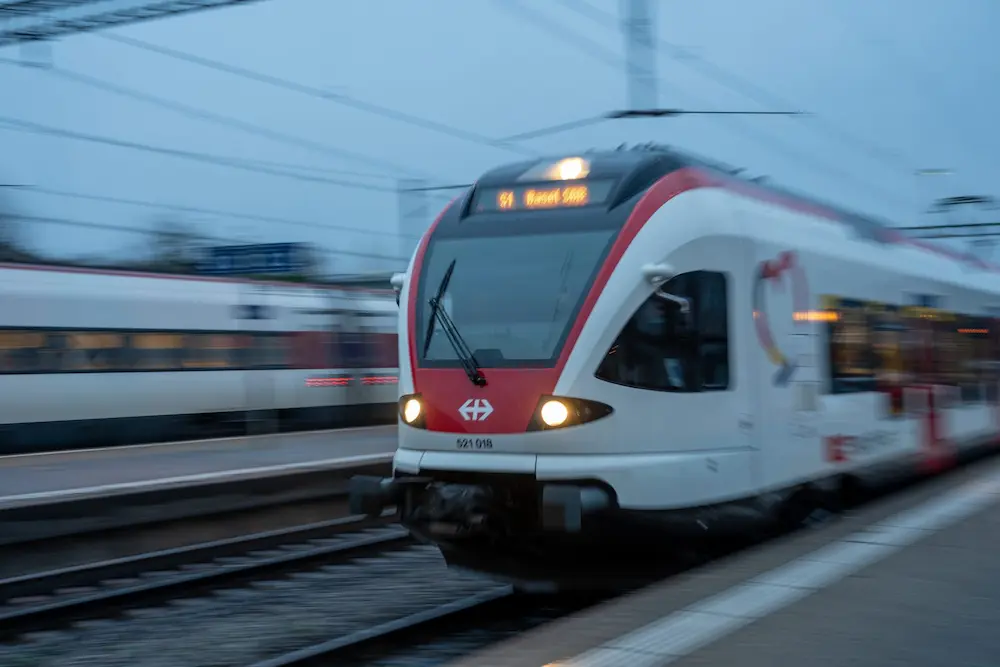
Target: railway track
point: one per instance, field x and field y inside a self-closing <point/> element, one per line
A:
<point x="49" y="600"/>
<point x="344" y="595"/>
<point x="485" y="613"/>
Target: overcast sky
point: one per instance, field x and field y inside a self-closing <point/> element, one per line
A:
<point x="896" y="85"/>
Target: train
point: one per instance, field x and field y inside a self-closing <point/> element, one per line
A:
<point x="93" y="358"/>
<point x="618" y="348"/>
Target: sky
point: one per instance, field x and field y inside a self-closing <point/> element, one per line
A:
<point x="891" y="87"/>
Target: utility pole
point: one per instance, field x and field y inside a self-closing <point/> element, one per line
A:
<point x="640" y="50"/>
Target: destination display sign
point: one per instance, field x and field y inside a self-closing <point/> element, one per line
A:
<point x="559" y="194"/>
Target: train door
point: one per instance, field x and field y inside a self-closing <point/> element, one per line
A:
<point x="725" y="399"/>
<point x="786" y="337"/>
<point x="257" y="325"/>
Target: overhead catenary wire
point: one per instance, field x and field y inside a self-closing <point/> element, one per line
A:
<point x="222" y="119"/>
<point x="598" y="52"/>
<point x="313" y="91"/>
<point x="738" y="84"/>
<point x="210" y="211"/>
<point x="207" y="158"/>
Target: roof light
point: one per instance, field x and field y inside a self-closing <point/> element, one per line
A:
<point x="572" y="168"/>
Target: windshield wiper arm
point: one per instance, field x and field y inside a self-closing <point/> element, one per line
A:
<point x="462" y="351"/>
<point x="458" y="344"/>
<point x="435" y="305"/>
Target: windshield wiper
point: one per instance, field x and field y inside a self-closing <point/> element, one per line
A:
<point x="458" y="344"/>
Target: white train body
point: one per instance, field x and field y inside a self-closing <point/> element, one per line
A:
<point x="837" y="351"/>
<point x="94" y="358"/>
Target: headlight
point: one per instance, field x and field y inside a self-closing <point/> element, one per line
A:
<point x="554" y="413"/>
<point x="564" y="411"/>
<point x="411" y="410"/>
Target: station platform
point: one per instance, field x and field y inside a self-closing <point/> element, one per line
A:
<point x="913" y="580"/>
<point x="27" y="479"/>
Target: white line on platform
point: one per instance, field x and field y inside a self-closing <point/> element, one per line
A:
<point x="106" y="489"/>
<point x="683" y="632"/>
<point x="175" y="443"/>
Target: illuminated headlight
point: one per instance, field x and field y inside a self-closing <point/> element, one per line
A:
<point x="411" y="410"/>
<point x="554" y="413"/>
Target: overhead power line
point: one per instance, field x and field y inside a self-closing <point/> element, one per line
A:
<point x="554" y="129"/>
<point x="670" y="113"/>
<point x="207" y="158"/>
<point x="221" y="119"/>
<point x="208" y="211"/>
<point x="336" y="98"/>
<point x="87" y="224"/>
<point x="738" y="84"/>
<point x="599" y="52"/>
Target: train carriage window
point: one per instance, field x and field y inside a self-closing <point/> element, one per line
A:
<point x="93" y="351"/>
<point x="887" y="332"/>
<point x="158" y="351"/>
<point x="270" y="350"/>
<point x="971" y="347"/>
<point x="992" y="374"/>
<point x="20" y="351"/>
<point x="851" y="359"/>
<point x="242" y="353"/>
<point x="209" y="351"/>
<point x="661" y="349"/>
<point x="921" y="361"/>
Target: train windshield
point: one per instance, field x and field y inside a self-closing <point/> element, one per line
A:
<point x="513" y="298"/>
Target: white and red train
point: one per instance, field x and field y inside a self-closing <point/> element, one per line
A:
<point x="606" y="348"/>
<point x="102" y="358"/>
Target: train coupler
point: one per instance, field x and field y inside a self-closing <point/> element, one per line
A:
<point x="371" y="496"/>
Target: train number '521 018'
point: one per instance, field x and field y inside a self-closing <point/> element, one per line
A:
<point x="474" y="443"/>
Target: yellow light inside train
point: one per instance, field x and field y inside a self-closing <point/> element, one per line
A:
<point x="554" y="413"/>
<point x="411" y="410"/>
<point x="814" y="316"/>
<point x="572" y="168"/>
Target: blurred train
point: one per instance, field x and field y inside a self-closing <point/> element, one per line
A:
<point x="635" y="346"/>
<point x="102" y="358"/>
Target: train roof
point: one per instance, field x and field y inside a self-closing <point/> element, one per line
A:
<point x="60" y="268"/>
<point x="651" y="157"/>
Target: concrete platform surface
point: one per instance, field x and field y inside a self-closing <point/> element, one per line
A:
<point x="54" y="476"/>
<point x="913" y="580"/>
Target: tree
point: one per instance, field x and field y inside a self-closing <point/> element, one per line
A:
<point x="173" y="247"/>
<point x="13" y="243"/>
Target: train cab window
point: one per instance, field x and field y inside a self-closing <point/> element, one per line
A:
<point x="675" y="341"/>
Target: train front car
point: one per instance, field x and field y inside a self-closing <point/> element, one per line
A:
<point x="564" y="361"/>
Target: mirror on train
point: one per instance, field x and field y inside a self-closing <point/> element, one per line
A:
<point x="657" y="274"/>
<point x="397" y="281"/>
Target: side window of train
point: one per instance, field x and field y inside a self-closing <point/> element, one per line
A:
<point x="664" y="348"/>
<point x="888" y="337"/>
<point x="852" y="358"/>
